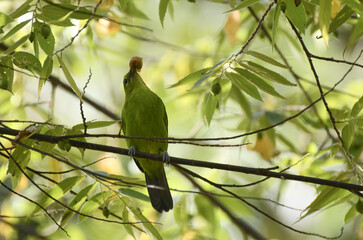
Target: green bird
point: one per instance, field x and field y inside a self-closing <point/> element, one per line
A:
<point x="144" y="115"/>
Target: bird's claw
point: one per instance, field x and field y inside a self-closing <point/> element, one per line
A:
<point x="132" y="151"/>
<point x="166" y="158"/>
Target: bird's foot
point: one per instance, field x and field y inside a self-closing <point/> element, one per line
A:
<point x="166" y="158"/>
<point x="132" y="151"/>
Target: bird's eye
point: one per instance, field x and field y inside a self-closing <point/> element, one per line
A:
<point x="125" y="80"/>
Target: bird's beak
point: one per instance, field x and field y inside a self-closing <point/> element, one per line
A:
<point x="131" y="74"/>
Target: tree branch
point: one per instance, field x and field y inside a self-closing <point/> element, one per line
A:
<point x="190" y="162"/>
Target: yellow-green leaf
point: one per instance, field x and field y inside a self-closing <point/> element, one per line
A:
<point x="58" y="191"/>
<point x="241" y="83"/>
<point x="77" y="202"/>
<point x="69" y="77"/>
<point x="46" y="71"/>
<point x="95" y="124"/>
<point x="210" y="107"/>
<point x="258" y="82"/>
<point x="348" y="134"/>
<point x="266" y="58"/>
<point x="324" y="19"/>
<point x="94" y="203"/>
<point x="267" y="73"/>
<point x="163" y="5"/>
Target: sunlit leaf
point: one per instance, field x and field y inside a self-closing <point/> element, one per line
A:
<point x="244" y="4"/>
<point x="356" y="34"/>
<point x="341" y="18"/>
<point x="348" y="134"/>
<point x="45" y="73"/>
<point x="324" y="19"/>
<point x="4" y="19"/>
<point x="27" y="61"/>
<point x="163" y="5"/>
<point x="94" y="203"/>
<point x="58" y="191"/>
<point x="357" y="107"/>
<point x="17" y="44"/>
<point x="267" y="73"/>
<point x="14" y="30"/>
<point x="6" y="73"/>
<point x="258" y="82"/>
<point x="58" y="11"/>
<point x="94" y="124"/>
<point x="21" y="10"/>
<point x="123" y="3"/>
<point x="244" y="85"/>
<point x="241" y="99"/>
<point x="352" y="212"/>
<point x="145" y="223"/>
<point x="297" y="15"/>
<point x="266" y="58"/>
<point x="192" y="77"/>
<point x="77" y="202"/>
<point x="210" y="107"/>
<point x="125" y="218"/>
<point x="69" y="77"/>
<point x="134" y="194"/>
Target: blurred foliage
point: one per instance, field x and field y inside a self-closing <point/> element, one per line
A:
<point x="221" y="71"/>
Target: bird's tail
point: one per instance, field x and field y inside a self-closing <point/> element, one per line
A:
<point x="159" y="192"/>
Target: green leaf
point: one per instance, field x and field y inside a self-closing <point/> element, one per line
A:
<point x="324" y="19"/>
<point x="266" y="58"/>
<point x="356" y="34"/>
<point x="209" y="73"/>
<point x="125" y="218"/>
<point x="6" y="73"/>
<point x="297" y="15"/>
<point x="267" y="73"/>
<point x="163" y="6"/>
<point x="16" y="44"/>
<point x="275" y="23"/>
<point x="352" y="212"/>
<point x="4" y="19"/>
<point x="258" y="82"/>
<point x="47" y="45"/>
<point x="194" y="76"/>
<point x="326" y="197"/>
<point x="133" y="11"/>
<point x="145" y="223"/>
<point x="94" y="203"/>
<point x="94" y="124"/>
<point x="77" y="202"/>
<point x="341" y="18"/>
<point x="244" y="85"/>
<point x="21" y="10"/>
<point x="45" y="73"/>
<point x="123" y="3"/>
<point x="357" y="107"/>
<point x="14" y="30"/>
<point x="134" y="194"/>
<point x="27" y="61"/>
<point x="241" y="99"/>
<point x="244" y="4"/>
<point x="21" y="155"/>
<point x="48" y="147"/>
<point x="58" y="191"/>
<point x="210" y="107"/>
<point x="60" y="11"/>
<point x="348" y="134"/>
<point x="69" y="77"/>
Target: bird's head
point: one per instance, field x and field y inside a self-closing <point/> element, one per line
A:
<point x="132" y="78"/>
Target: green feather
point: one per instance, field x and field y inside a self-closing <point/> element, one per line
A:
<point x="144" y="115"/>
